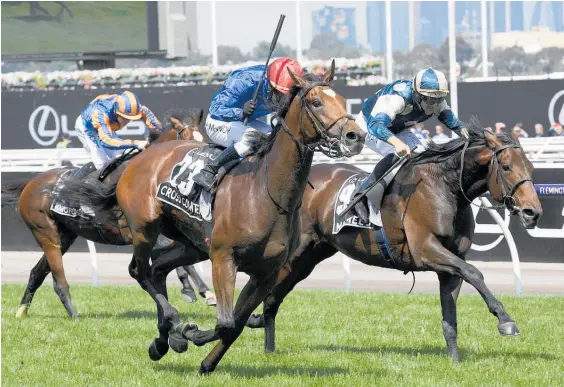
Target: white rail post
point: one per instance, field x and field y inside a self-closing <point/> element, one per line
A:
<point x="512" y="246"/>
<point x="94" y="260"/>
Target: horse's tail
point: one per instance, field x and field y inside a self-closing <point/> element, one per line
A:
<point x="11" y="191"/>
<point x="94" y="194"/>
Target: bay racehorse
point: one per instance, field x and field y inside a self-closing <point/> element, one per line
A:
<point x="55" y="233"/>
<point x="255" y="225"/>
<point x="427" y="220"/>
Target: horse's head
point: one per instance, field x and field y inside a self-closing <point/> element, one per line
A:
<point x="188" y="128"/>
<point x="324" y="122"/>
<point x="183" y="126"/>
<point x="510" y="178"/>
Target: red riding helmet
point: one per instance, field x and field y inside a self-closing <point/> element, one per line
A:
<point x="278" y="75"/>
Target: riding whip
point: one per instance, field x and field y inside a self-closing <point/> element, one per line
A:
<point x="272" y="47"/>
<point x="365" y="191"/>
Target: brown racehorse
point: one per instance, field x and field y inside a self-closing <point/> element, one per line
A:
<point x="255" y="216"/>
<point x="56" y="233"/>
<point x="427" y="217"/>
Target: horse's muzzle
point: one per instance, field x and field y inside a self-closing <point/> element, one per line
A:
<point x="352" y="142"/>
<point x="529" y="217"/>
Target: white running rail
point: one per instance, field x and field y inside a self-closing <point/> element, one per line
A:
<point x="544" y="150"/>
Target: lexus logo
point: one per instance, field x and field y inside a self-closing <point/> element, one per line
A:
<point x="556" y="108"/>
<point x="44" y="125"/>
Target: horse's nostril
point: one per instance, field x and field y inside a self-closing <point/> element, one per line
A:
<point x="529" y="213"/>
<point x="352" y="136"/>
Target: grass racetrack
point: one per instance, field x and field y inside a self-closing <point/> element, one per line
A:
<point x="324" y="338"/>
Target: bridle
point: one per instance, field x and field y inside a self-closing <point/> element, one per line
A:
<point x="329" y="146"/>
<point x="506" y="193"/>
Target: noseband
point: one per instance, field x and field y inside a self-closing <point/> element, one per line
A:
<point x="506" y="194"/>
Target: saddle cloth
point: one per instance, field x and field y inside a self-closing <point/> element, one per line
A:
<point x="344" y="197"/>
<point x="61" y="206"/>
<point x="180" y="191"/>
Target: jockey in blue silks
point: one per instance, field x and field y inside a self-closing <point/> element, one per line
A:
<point x="388" y="115"/>
<point x="233" y="103"/>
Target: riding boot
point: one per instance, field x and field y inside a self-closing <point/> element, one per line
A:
<point x="207" y="175"/>
<point x="361" y="208"/>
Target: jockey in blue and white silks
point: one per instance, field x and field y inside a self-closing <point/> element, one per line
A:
<point x="388" y="115"/>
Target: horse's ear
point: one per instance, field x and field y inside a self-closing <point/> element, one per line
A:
<point x="330" y="74"/>
<point x="491" y="138"/>
<point x="176" y="124"/>
<point x="298" y="80"/>
<point x="199" y="117"/>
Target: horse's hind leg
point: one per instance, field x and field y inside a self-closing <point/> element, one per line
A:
<point x="188" y="294"/>
<point x="449" y="289"/>
<point x="55" y="244"/>
<point x="36" y="278"/>
<point x="441" y="260"/>
<point x="201" y="285"/>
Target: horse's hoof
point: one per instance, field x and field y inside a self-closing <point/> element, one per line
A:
<point x="188" y="297"/>
<point x="177" y="342"/>
<point x="211" y="301"/>
<point x="205" y="370"/>
<point x="256" y="321"/>
<point x="22" y="311"/>
<point x="154" y="353"/>
<point x="508" y="329"/>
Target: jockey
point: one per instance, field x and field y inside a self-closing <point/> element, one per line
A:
<point x="106" y="114"/>
<point x="233" y="103"/>
<point x="388" y="115"/>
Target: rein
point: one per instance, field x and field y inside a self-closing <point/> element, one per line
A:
<point x="329" y="146"/>
<point x="507" y="197"/>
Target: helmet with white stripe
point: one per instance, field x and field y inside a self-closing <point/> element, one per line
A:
<point x="431" y="83"/>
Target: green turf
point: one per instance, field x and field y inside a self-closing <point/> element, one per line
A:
<point x="325" y="338"/>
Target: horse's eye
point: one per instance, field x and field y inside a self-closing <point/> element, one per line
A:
<point x="506" y="167"/>
<point x="316" y="103"/>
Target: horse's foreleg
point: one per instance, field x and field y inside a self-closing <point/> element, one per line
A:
<point x="224" y="275"/>
<point x="251" y="296"/>
<point x="449" y="289"/>
<point x="436" y="256"/>
<point x="36" y="278"/>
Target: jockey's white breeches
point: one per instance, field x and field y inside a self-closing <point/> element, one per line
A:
<point x="234" y="133"/>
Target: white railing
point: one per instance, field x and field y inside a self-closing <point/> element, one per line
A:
<point x="539" y="150"/>
<point x="544" y="152"/>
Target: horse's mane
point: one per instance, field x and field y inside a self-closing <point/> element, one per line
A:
<point x="445" y="155"/>
<point x="280" y="108"/>
<point x="187" y="116"/>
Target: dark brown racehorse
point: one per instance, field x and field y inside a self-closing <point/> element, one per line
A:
<point x="427" y="217"/>
<point x="255" y="217"/>
<point x="56" y="233"/>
